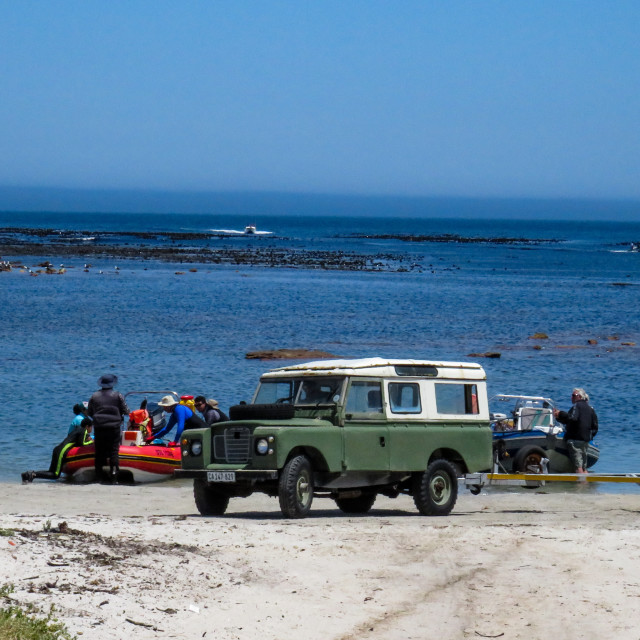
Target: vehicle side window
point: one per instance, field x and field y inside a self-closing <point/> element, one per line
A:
<point x="404" y="397"/>
<point x="365" y="396"/>
<point x="456" y="399"/>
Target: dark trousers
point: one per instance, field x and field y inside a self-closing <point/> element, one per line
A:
<point x="107" y="441"/>
<point x="57" y="460"/>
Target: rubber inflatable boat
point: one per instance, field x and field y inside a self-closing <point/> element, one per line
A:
<point x="139" y="461"/>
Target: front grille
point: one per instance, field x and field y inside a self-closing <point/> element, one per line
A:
<point x="232" y="446"/>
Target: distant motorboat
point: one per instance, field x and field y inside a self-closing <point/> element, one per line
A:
<point x="635" y="247"/>
<point x="250" y="229"/>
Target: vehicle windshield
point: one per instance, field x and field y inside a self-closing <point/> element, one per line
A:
<point x="521" y="413"/>
<point x="303" y="392"/>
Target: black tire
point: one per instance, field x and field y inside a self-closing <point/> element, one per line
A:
<point x="436" y="490"/>
<point x="528" y="456"/>
<point x="361" y="504"/>
<point x="295" y="488"/>
<point x="262" y="412"/>
<point x="209" y="501"/>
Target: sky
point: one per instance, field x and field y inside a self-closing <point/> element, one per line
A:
<point x="536" y="99"/>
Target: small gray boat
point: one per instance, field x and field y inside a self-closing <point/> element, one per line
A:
<point x="525" y="432"/>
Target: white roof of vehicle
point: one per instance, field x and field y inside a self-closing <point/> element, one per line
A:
<point x="379" y="367"/>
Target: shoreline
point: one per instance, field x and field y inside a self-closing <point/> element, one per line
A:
<point x="139" y="562"/>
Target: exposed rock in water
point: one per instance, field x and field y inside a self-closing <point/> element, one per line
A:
<point x="486" y="354"/>
<point x="288" y="354"/>
<point x="539" y="336"/>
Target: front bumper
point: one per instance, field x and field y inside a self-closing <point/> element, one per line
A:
<point x="243" y="476"/>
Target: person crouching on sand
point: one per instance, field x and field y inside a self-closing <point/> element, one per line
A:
<point x="78" y="437"/>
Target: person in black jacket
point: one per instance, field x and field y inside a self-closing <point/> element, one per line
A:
<point x="107" y="408"/>
<point x="210" y="410"/>
<point x="581" y="426"/>
<point x="79" y="436"/>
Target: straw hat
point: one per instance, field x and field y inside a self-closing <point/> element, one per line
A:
<point x="167" y="401"/>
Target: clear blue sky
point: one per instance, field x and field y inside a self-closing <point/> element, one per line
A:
<point x="420" y="98"/>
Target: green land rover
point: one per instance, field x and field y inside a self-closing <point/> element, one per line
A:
<point x="347" y="430"/>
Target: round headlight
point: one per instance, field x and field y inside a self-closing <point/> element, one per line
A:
<point x="262" y="446"/>
<point x="196" y="448"/>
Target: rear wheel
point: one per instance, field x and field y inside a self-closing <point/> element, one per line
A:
<point x="295" y="488"/>
<point x="436" y="490"/>
<point x="361" y="504"/>
<point x="530" y="456"/>
<point x="209" y="501"/>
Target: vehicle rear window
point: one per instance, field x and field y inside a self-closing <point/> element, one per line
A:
<point x="404" y="397"/>
<point x="456" y="399"/>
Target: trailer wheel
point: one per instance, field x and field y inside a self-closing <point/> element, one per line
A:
<point x="209" y="501"/>
<point x="295" y="488"/>
<point x="528" y="457"/>
<point x="436" y="490"/>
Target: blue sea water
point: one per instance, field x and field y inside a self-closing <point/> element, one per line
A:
<point x="159" y="330"/>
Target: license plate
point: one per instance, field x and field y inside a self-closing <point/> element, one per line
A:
<point x="221" y="476"/>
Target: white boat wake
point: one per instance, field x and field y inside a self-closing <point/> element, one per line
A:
<point x="240" y="232"/>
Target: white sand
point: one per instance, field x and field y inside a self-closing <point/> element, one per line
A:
<point x="512" y="565"/>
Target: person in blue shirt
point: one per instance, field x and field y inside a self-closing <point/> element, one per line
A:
<point x="80" y="410"/>
<point x="181" y="417"/>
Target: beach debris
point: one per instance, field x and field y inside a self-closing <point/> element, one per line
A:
<point x="195" y="608"/>
<point x="288" y="354"/>
<point x="143" y="624"/>
<point x="539" y="335"/>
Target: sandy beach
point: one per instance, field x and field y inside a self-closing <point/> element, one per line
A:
<point x="139" y="562"/>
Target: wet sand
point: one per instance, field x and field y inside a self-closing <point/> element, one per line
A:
<point x="139" y="562"/>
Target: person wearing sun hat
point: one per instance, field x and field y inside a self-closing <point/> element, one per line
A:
<point x="108" y="409"/>
<point x="181" y="417"/>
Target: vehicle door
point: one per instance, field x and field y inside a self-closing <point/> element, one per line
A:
<point x="366" y="433"/>
<point x="407" y="425"/>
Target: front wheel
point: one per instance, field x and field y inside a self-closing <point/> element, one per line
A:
<point x="295" y="488"/>
<point x="435" y="491"/>
<point x="209" y="501"/>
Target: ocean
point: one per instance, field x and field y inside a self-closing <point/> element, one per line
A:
<point x="459" y="288"/>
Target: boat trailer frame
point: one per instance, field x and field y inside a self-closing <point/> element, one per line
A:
<point x="476" y="481"/>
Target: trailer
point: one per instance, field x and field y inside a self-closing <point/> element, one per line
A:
<point x="476" y="481"/>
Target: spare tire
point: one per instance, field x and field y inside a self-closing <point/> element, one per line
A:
<point x="262" y="412"/>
